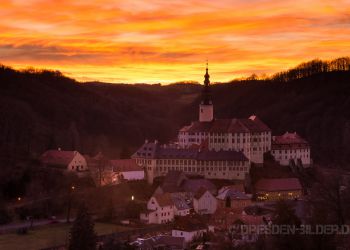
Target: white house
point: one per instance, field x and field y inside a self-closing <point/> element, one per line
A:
<point x="291" y="147"/>
<point x="67" y="160"/>
<point x="204" y="202"/>
<point x="190" y="227"/>
<point x="160" y="209"/>
<point x="127" y="169"/>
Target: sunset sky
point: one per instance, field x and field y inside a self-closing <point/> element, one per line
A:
<point x="169" y="40"/>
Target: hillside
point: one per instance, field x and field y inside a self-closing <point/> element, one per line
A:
<point x="44" y="109"/>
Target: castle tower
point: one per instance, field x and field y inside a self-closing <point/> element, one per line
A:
<point x="206" y="109"/>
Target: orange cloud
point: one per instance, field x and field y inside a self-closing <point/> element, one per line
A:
<point x="168" y="41"/>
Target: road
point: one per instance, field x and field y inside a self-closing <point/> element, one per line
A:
<point x="13" y="227"/>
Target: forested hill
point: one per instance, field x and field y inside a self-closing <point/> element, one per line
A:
<point x="44" y="109"/>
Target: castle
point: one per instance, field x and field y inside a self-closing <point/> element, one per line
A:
<point x="220" y="148"/>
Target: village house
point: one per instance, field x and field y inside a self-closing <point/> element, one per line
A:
<point x="71" y="161"/>
<point x="160" y="242"/>
<point x="290" y="147"/>
<point x="160" y="210"/>
<point x="190" y="228"/>
<point x="204" y="202"/>
<point x="127" y="170"/>
<point x="276" y="189"/>
<point x="229" y="197"/>
<point x="242" y="236"/>
<point x="176" y="182"/>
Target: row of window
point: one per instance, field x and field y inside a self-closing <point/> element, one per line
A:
<point x="202" y="169"/>
<point x="291" y="157"/>
<point x="204" y="134"/>
<point x="243" y="140"/>
<point x="77" y="167"/>
<point x="290" y="151"/>
<point x="194" y="162"/>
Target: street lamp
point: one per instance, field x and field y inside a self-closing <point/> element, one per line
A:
<point x="72" y="188"/>
<point x="132" y="197"/>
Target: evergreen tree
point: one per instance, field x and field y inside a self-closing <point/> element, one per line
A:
<point x="82" y="234"/>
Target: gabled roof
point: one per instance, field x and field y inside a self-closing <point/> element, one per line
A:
<point x="194" y="185"/>
<point x="190" y="223"/>
<point x="281" y="184"/>
<point x="243" y="125"/>
<point x="172" y="182"/>
<point x="164" y="200"/>
<point x="58" y="157"/>
<point x="233" y="194"/>
<point x="125" y="165"/>
<point x="288" y="140"/>
<point x="200" y="193"/>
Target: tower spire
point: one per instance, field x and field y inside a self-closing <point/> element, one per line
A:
<point x="206" y="95"/>
<point x="206" y="109"/>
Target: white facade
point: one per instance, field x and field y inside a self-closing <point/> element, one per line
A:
<point x="291" y="147"/>
<point x="252" y="142"/>
<point x="158" y="213"/>
<point x="78" y="163"/>
<point x="188" y="234"/>
<point x="283" y="156"/>
<point x="230" y="170"/>
<point x="132" y="175"/>
<point x="206" y="112"/>
<point x="205" y="204"/>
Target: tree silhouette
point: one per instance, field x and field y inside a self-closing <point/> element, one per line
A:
<point x="82" y="234"/>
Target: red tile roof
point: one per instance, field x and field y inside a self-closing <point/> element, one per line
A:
<point x="288" y="138"/>
<point x="164" y="199"/>
<point x="125" y="165"/>
<point x="281" y="184"/>
<point x="200" y="193"/>
<point x="245" y="125"/>
<point x="57" y="157"/>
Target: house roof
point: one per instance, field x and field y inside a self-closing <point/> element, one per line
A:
<point x="194" y="185"/>
<point x="172" y="181"/>
<point x="179" y="202"/>
<point x="289" y="140"/>
<point x="190" y="223"/>
<point x="238" y="186"/>
<point x="200" y="193"/>
<point x="164" y="199"/>
<point x="250" y="219"/>
<point x="58" y="157"/>
<point x="233" y="194"/>
<point x="125" y="165"/>
<point x="244" y="125"/>
<point x="174" y="177"/>
<point x="281" y="184"/>
<point x="169" y="242"/>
